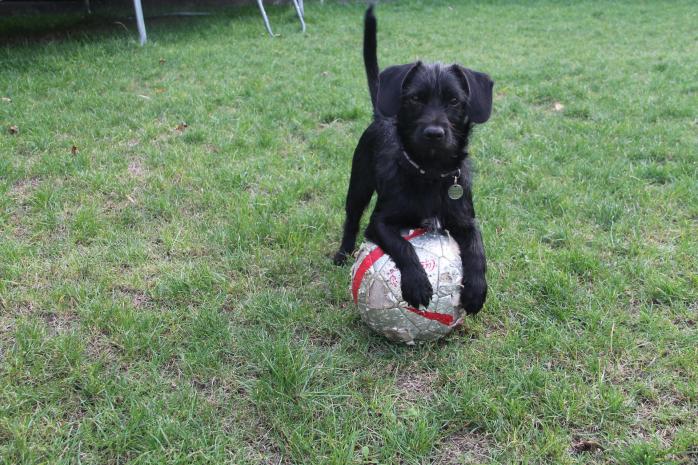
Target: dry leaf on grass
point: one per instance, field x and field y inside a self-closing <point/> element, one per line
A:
<point x="182" y="126"/>
<point x="13" y="129"/>
<point x="587" y="446"/>
<point x="74" y="150"/>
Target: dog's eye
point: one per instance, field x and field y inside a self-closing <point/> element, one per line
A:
<point x="415" y="99"/>
<point x="454" y="102"/>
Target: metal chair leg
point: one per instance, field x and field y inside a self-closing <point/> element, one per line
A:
<point x="139" y="20"/>
<point x="299" y="11"/>
<point x="264" y="16"/>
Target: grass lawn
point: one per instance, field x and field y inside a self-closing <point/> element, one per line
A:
<point x="166" y="290"/>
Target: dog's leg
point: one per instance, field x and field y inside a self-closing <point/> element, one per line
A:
<point x="361" y="187"/>
<point x="415" y="285"/>
<point x="460" y="223"/>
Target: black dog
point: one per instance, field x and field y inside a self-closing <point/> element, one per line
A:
<point x="414" y="155"/>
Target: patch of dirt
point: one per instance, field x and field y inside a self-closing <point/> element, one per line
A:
<point x="649" y="425"/>
<point x="687" y="321"/>
<point x="23" y="188"/>
<point x="18" y="309"/>
<point x="265" y="452"/>
<point x="139" y="298"/>
<point x="135" y="168"/>
<point x="19" y="231"/>
<point x="7" y="324"/>
<point x="60" y="323"/>
<point x="416" y="386"/>
<point x="656" y="417"/>
<point x="464" y="448"/>
<point x="99" y="347"/>
<point x="495" y="329"/>
<point x="318" y="338"/>
<point x="212" y="148"/>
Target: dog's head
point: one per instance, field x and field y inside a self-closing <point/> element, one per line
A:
<point x="435" y="105"/>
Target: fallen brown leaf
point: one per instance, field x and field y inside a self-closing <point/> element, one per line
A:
<point x="587" y="446"/>
<point x="74" y="150"/>
<point x="13" y="129"/>
<point x="182" y="126"/>
<point x="161" y="61"/>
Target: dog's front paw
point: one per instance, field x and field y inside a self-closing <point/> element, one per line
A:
<point x="340" y="258"/>
<point x="416" y="288"/>
<point x="473" y="294"/>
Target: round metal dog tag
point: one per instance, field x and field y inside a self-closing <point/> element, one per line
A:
<point x="455" y="192"/>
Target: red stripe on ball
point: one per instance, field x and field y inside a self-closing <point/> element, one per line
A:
<point x="442" y="318"/>
<point x="371" y="258"/>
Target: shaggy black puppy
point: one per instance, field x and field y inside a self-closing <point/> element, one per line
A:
<point x="414" y="156"/>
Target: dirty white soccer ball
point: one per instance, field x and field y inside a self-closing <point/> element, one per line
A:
<point x="376" y="289"/>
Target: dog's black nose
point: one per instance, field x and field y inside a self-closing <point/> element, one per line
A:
<point x="434" y="132"/>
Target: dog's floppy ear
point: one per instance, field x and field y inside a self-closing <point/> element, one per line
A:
<point x="479" y="93"/>
<point x="390" y="83"/>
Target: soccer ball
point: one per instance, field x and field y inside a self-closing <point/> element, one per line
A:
<point x="376" y="289"/>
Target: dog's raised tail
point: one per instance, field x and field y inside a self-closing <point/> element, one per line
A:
<point x="370" y="54"/>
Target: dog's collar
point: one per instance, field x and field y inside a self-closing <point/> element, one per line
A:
<point x="408" y="163"/>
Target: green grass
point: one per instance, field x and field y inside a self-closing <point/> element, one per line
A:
<point x="166" y="296"/>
